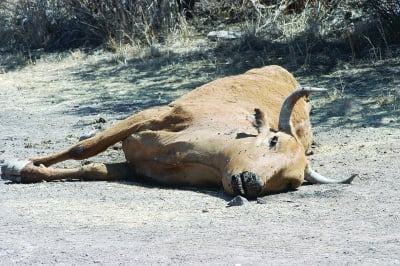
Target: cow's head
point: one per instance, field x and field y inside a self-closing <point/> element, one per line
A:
<point x="273" y="161"/>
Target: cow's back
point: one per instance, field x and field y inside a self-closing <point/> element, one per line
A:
<point x="263" y="88"/>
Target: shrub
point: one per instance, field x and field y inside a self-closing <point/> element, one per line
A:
<point x="140" y="21"/>
<point x="388" y="11"/>
<point x="57" y="24"/>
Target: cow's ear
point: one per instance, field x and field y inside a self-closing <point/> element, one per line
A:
<point x="259" y="120"/>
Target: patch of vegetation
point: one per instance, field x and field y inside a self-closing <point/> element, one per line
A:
<point x="388" y="12"/>
<point x="303" y="32"/>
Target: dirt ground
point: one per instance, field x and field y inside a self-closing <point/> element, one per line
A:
<point x="47" y="106"/>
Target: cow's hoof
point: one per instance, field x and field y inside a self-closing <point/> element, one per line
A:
<point x="247" y="184"/>
<point x="12" y="170"/>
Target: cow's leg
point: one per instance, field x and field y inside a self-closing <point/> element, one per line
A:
<point x="149" y="119"/>
<point x="96" y="171"/>
<point x="94" y="145"/>
<point x="36" y="168"/>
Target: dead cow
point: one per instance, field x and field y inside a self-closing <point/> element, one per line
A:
<point x="249" y="133"/>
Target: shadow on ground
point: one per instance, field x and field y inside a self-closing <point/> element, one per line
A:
<point x="360" y="95"/>
<point x="364" y="95"/>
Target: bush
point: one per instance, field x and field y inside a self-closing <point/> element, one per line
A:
<point x="58" y="24"/>
<point x="140" y="21"/>
<point x="388" y="11"/>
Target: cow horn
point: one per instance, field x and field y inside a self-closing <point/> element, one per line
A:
<point x="315" y="178"/>
<point x="285" y="124"/>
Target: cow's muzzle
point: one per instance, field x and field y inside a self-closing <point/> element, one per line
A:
<point x="247" y="184"/>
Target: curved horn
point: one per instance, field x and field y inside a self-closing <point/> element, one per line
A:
<point x="315" y="178"/>
<point x="285" y="124"/>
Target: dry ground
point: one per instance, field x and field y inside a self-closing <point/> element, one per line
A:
<point x="47" y="106"/>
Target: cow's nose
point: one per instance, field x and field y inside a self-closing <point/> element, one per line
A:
<point x="247" y="184"/>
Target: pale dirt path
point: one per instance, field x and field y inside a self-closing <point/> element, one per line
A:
<point x="46" y="107"/>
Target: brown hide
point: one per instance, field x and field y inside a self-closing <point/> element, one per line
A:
<point x="207" y="135"/>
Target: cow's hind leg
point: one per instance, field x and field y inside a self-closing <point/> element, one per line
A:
<point x="151" y="119"/>
<point x="27" y="172"/>
<point x="35" y="169"/>
<point x="86" y="148"/>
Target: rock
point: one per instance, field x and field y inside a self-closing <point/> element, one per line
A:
<point x="88" y="135"/>
<point x="100" y="120"/>
<point x="237" y="201"/>
<point x="261" y="201"/>
<point x="223" y="35"/>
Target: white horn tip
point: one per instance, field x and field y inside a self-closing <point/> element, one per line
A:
<point x="315" y="178"/>
<point x="313" y="89"/>
<point x="350" y="179"/>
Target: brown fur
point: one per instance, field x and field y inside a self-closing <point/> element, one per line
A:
<point x="219" y="130"/>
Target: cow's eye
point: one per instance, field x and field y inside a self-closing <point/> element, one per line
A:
<point x="273" y="141"/>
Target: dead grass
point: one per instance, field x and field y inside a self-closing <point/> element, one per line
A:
<point x="303" y="26"/>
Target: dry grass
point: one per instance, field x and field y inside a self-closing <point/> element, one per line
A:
<point x="311" y="35"/>
<point x="56" y="24"/>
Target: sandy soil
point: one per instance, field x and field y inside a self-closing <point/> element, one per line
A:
<point x="47" y="106"/>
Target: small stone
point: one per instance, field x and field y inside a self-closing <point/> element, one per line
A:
<point x="101" y="120"/>
<point x="261" y="201"/>
<point x="237" y="201"/>
<point x="88" y="135"/>
<point x="223" y="34"/>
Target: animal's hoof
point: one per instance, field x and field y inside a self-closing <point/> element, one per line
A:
<point x="12" y="170"/>
<point x="247" y="184"/>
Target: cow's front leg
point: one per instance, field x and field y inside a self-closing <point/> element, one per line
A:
<point x="27" y="172"/>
